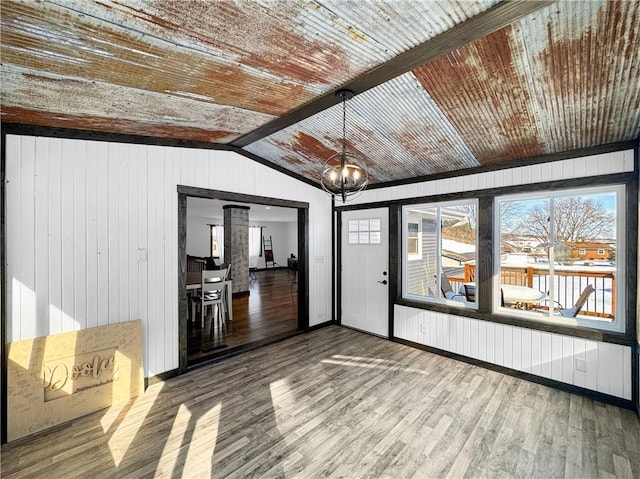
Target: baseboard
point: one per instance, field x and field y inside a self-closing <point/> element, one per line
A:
<point x="160" y="377"/>
<point x="235" y="351"/>
<point x="320" y="325"/>
<point x="570" y="388"/>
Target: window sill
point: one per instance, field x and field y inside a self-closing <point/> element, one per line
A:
<point x="624" y="339"/>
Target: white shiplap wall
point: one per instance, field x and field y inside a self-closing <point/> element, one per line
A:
<point x="540" y="353"/>
<point x="92" y="231"/>
<point x="595" y="165"/>
<point x="552" y="356"/>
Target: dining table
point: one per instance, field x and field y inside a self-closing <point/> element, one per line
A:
<point x="515" y="295"/>
<point x="521" y="295"/>
<point x="194" y="282"/>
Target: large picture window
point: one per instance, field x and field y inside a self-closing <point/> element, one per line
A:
<point x="570" y="272"/>
<point x="439" y="252"/>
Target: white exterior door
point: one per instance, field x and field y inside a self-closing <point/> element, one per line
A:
<point x="365" y="270"/>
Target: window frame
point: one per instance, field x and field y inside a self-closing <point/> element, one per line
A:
<point x="213" y="232"/>
<point x="407" y="218"/>
<point x="619" y="323"/>
<point x="418" y="254"/>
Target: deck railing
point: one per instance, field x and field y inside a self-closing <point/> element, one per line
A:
<point x="568" y="284"/>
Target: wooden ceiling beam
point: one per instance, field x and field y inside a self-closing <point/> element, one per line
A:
<point x="483" y="24"/>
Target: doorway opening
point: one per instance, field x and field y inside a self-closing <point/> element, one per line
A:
<point x="270" y="298"/>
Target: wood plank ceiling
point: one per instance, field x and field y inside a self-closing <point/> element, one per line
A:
<point x="441" y="86"/>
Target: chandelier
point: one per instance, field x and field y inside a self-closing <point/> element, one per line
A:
<point x="344" y="173"/>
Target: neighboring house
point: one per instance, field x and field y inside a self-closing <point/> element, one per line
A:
<point x="586" y="250"/>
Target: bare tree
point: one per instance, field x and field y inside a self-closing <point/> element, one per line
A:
<point x="510" y="216"/>
<point x="510" y="213"/>
<point x="576" y="219"/>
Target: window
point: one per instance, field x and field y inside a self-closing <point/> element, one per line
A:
<point x="552" y="284"/>
<point x="217" y="241"/>
<point x="255" y="245"/>
<point x="439" y="252"/>
<point x="414" y="243"/>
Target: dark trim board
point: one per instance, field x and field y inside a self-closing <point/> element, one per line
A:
<point x="158" y="378"/>
<point x="635" y="359"/>
<point x="634" y="237"/>
<point x="72" y="134"/>
<point x="613" y="179"/>
<point x="570" y="388"/>
<point x="338" y="276"/>
<point x="245" y="348"/>
<point x="395" y="252"/>
<point x="239" y="197"/>
<point x="93" y="135"/>
<point x="302" y="269"/>
<point x="3" y="286"/>
<point x="484" y="271"/>
<point x="333" y="259"/>
<point x="182" y="282"/>
<point x="534" y="160"/>
<point x="315" y="327"/>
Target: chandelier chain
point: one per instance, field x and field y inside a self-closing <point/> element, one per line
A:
<point x="344" y="173"/>
<point x="344" y="124"/>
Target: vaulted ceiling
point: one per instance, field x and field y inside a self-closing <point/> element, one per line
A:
<point x="441" y="85"/>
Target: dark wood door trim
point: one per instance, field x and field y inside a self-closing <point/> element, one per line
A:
<point x="303" y="253"/>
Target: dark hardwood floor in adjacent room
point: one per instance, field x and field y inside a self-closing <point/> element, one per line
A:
<point x="269" y="312"/>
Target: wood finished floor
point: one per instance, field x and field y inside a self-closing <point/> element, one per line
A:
<point x="339" y="403"/>
<point x="271" y="310"/>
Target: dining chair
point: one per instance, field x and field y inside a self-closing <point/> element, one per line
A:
<point x="212" y="293"/>
<point x="447" y="290"/>
<point x="470" y="292"/>
<point x="582" y="299"/>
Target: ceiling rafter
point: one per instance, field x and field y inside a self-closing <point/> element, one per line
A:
<point x="476" y="27"/>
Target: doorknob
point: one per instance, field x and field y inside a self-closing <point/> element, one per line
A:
<point x="384" y="273"/>
<point x="383" y="281"/>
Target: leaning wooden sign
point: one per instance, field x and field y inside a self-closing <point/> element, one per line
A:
<point x="54" y="379"/>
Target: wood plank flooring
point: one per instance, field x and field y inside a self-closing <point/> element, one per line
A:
<point x="339" y="403"/>
<point x="270" y="311"/>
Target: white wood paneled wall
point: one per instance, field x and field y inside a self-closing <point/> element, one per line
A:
<point x="596" y="165"/>
<point x="549" y="355"/>
<point x="543" y="354"/>
<point x="92" y="235"/>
